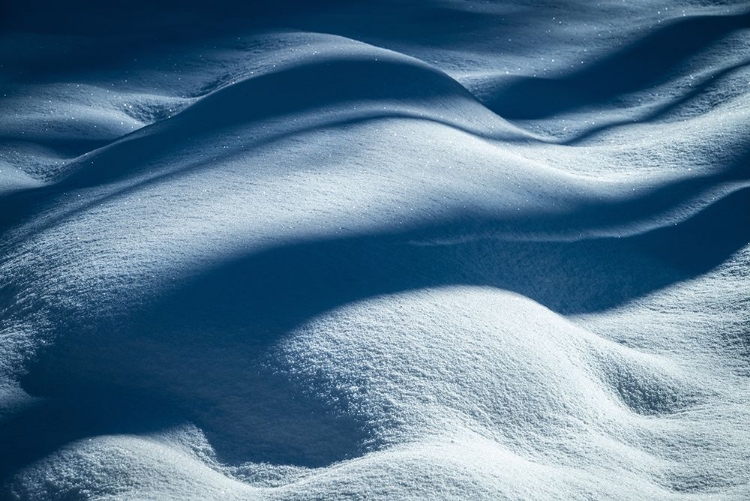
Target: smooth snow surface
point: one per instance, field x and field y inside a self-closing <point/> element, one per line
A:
<point x="432" y="249"/>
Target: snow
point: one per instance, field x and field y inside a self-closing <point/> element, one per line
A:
<point x="375" y="250"/>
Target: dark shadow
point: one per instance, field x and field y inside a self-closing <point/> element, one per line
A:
<point x="65" y="148"/>
<point x="648" y="62"/>
<point x="398" y="23"/>
<point x="81" y="17"/>
<point x="37" y="430"/>
<point x="247" y="411"/>
<point x="105" y="35"/>
<point x="665" y="110"/>
<point x="705" y="240"/>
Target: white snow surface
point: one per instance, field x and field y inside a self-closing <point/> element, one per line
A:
<point x="445" y="249"/>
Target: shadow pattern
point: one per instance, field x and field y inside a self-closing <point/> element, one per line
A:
<point x="243" y="306"/>
<point x="646" y="63"/>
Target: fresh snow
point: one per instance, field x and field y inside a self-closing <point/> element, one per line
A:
<point x="432" y="249"/>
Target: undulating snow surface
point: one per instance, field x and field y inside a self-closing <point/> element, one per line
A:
<point x="434" y="249"/>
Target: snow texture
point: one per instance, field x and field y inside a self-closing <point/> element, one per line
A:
<point x="435" y="249"/>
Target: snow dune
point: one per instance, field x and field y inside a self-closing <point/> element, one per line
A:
<point x="375" y="250"/>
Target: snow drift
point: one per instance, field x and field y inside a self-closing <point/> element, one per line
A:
<point x="363" y="250"/>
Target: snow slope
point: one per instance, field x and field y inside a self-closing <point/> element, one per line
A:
<point x="375" y="250"/>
